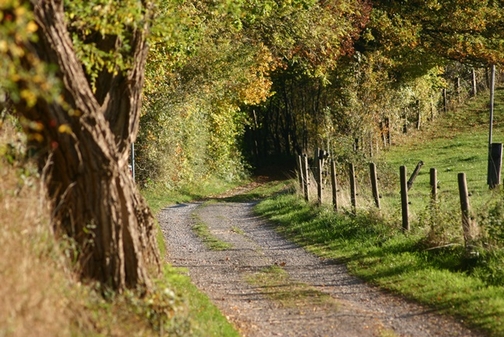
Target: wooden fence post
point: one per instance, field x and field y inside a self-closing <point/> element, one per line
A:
<point x="415" y="173"/>
<point x="404" y="198"/>
<point x="433" y="184"/>
<point x="474" y="90"/>
<point x="353" y="188"/>
<point x="374" y="184"/>
<point x="387" y="126"/>
<point x="319" y="181"/>
<point x="465" y="208"/>
<point x="300" y="172"/>
<point x="306" y="178"/>
<point x="334" y="184"/>
<point x="494" y="165"/>
<point x="445" y="101"/>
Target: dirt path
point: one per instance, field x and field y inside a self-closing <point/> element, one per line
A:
<point x="267" y="286"/>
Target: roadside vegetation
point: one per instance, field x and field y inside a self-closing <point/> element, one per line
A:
<point x="429" y="263"/>
<point x="203" y="232"/>
<point x="40" y="294"/>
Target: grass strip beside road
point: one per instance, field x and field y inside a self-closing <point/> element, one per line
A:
<point x="202" y="230"/>
<point x="199" y="315"/>
<point x="377" y="251"/>
<point x="275" y="283"/>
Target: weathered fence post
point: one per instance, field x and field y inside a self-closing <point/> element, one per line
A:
<point x="445" y="101"/>
<point x="494" y="165"/>
<point x="404" y="198"/>
<point x="300" y="172"/>
<point x="382" y="133"/>
<point x="334" y="185"/>
<point x="415" y="173"/>
<point x="353" y="188"/>
<point x="374" y="184"/>
<point x="474" y="90"/>
<point x="467" y="225"/>
<point x="387" y="126"/>
<point x="319" y="180"/>
<point x="306" y="178"/>
<point x="433" y="184"/>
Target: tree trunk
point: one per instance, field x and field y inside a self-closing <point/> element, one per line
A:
<point x="84" y="153"/>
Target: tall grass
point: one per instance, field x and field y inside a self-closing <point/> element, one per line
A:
<point x="34" y="281"/>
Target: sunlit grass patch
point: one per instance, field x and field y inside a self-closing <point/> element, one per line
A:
<point x="276" y="284"/>
<point x="211" y="241"/>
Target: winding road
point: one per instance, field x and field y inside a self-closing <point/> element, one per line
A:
<point x="267" y="286"/>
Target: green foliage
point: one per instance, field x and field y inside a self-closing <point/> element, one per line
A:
<point x="23" y="76"/>
<point x="467" y="31"/>
<point x="217" y="57"/>
<point x="442" y="228"/>
<point x="491" y="219"/>
<point x="102" y="34"/>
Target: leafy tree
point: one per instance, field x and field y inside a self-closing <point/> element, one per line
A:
<point x="93" y="55"/>
<point x="469" y="31"/>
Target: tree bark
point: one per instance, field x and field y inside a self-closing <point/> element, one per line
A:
<point x="84" y="153"/>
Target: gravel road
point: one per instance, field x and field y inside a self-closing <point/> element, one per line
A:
<point x="353" y="308"/>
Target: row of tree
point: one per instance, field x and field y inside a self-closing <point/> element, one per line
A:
<point x="222" y="81"/>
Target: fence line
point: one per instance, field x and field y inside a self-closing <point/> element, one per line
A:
<point x="469" y="227"/>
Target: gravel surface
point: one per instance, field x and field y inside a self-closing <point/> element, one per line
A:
<point x="354" y="308"/>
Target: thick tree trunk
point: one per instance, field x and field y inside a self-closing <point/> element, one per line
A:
<point x="84" y="153"/>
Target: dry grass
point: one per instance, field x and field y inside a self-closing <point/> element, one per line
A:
<point x="39" y="293"/>
<point x="32" y="276"/>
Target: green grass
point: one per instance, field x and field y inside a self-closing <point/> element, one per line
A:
<point x="455" y="143"/>
<point x="428" y="264"/>
<point x="204" y="317"/>
<point x="275" y="283"/>
<point x="377" y="251"/>
<point x="203" y="232"/>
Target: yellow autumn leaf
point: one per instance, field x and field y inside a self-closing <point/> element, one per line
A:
<point x="31" y="27"/>
<point x="28" y="96"/>
<point x="3" y="46"/>
<point x="20" y="11"/>
<point x="64" y="128"/>
<point x="36" y="136"/>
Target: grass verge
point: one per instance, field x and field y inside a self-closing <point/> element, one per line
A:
<point x="377" y="251"/>
<point x="40" y="294"/>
